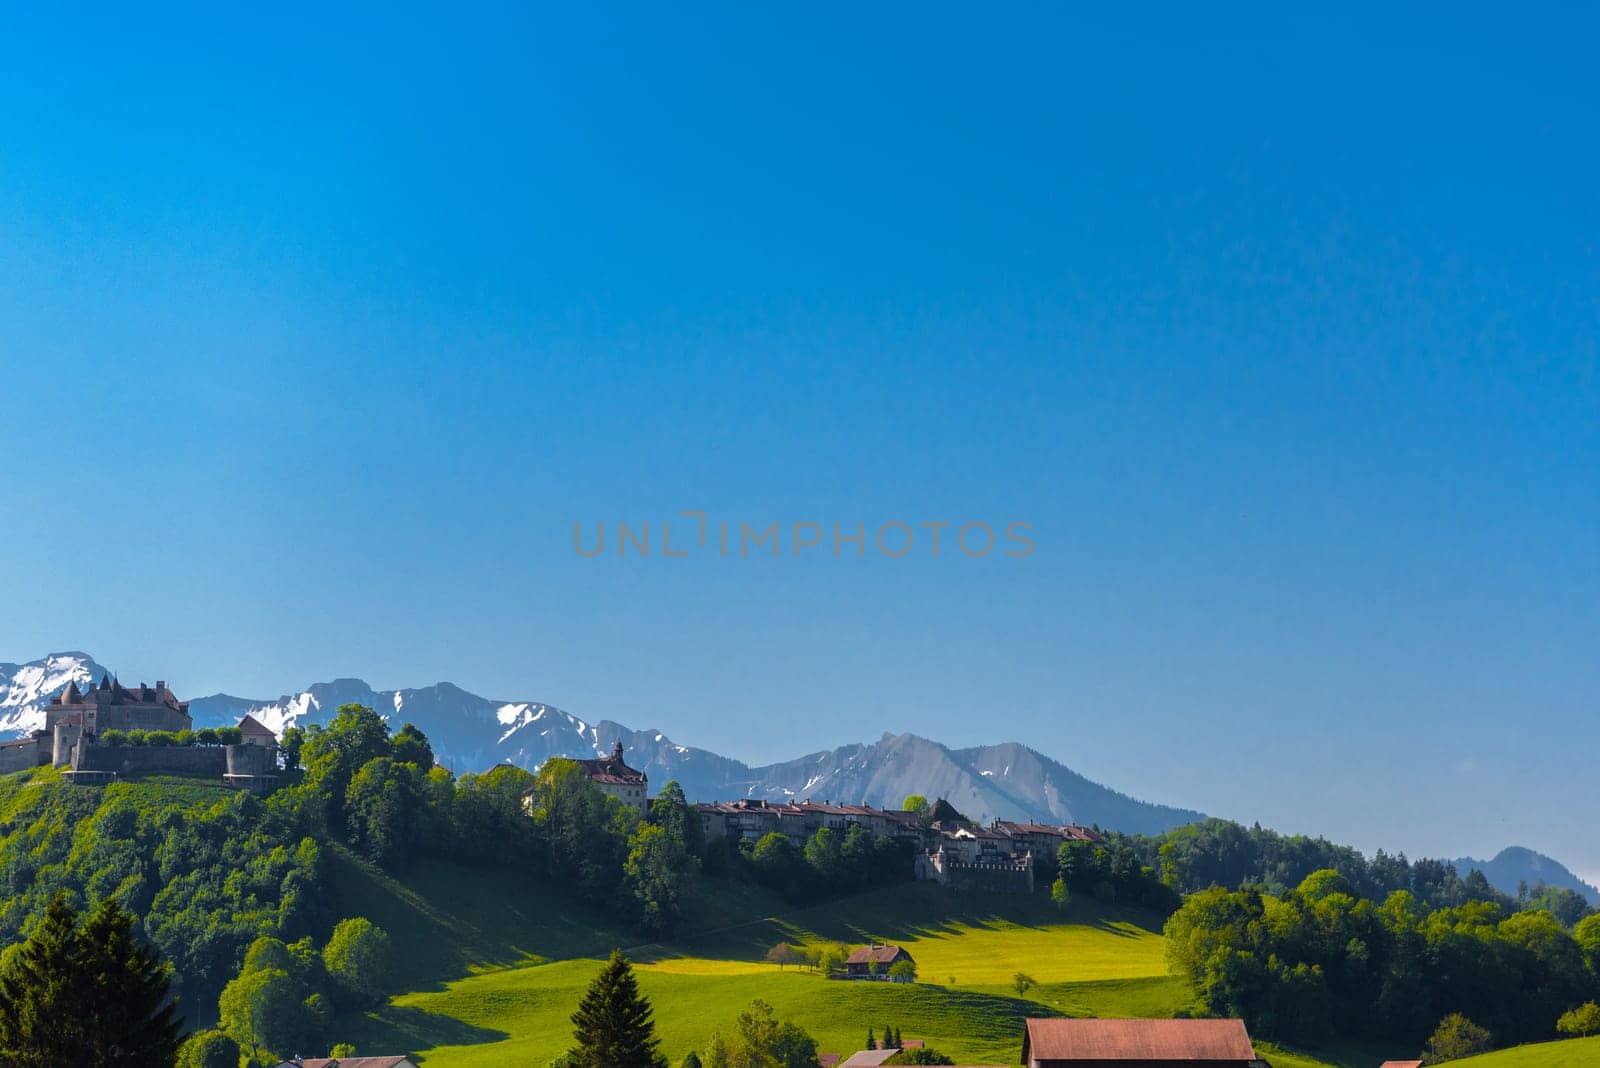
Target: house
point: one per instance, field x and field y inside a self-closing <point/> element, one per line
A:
<point x="1061" y="1043"/>
<point x="253" y="732"/>
<point x="613" y="776"/>
<point x="348" y="1062"/>
<point x="874" y="962"/>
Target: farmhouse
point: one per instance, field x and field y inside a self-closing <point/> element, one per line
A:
<point x="1061" y="1043"/>
<point x="348" y="1062"/>
<point x="874" y="962"/>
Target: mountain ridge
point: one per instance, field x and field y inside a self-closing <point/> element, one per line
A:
<point x="1008" y="780"/>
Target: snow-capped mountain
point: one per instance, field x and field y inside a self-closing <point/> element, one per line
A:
<point x="472" y="733"/>
<point x="26" y="688"/>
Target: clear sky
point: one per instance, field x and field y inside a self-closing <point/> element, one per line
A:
<point x="321" y="329"/>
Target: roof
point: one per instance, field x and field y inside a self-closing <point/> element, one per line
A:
<point x="1137" y="1040"/>
<point x="868" y="1058"/>
<point x="828" y="1060"/>
<point x="612" y="769"/>
<point x="349" y="1062"/>
<point x="1401" y="1064"/>
<point x="112" y="692"/>
<point x="881" y="954"/>
<point x="252" y="726"/>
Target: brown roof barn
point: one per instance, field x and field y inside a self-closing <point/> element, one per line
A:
<point x="874" y="961"/>
<point x="1138" y="1044"/>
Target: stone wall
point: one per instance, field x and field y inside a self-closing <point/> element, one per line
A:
<point x="133" y="760"/>
<point x="27" y="753"/>
<point x="249" y="759"/>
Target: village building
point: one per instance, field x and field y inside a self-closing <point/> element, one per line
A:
<point x="615" y="779"/>
<point x="874" y="962"/>
<point x="1092" y="1043"/>
<point x="253" y="732"/>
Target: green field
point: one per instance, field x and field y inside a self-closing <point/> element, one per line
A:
<point x="494" y="974"/>
<point x="1571" y="1053"/>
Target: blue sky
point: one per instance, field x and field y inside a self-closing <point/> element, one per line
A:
<point x="320" y="330"/>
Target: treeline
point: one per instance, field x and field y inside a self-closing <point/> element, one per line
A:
<point x="1111" y="872"/>
<point x="829" y="864"/>
<point x="1321" y="960"/>
<point x="383" y="795"/>
<point x="203" y="736"/>
<point x="1221" y="853"/>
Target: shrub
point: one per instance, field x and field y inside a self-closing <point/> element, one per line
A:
<point x="209" y="1049"/>
<point x="919" y="1055"/>
<point x="1583" y="1020"/>
<point x="358" y="960"/>
<point x="1456" y="1037"/>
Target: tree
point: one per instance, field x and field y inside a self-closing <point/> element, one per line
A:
<point x="1022" y="982"/>
<point x="38" y="1011"/>
<point x="888" y="1038"/>
<point x="411" y="746"/>
<point x="672" y="811"/>
<point x="613" y="1027"/>
<point x="872" y="1040"/>
<point x="917" y="805"/>
<point x="783" y="953"/>
<point x="384" y="811"/>
<point x="653" y="876"/>
<point x="264" y="1011"/>
<point x="717" y="1052"/>
<point x="903" y="971"/>
<point x="920" y="1055"/>
<point x="1060" y="894"/>
<point x="130" y="1018"/>
<point x="359" y="960"/>
<point x="1587" y="933"/>
<point x="1456" y="1037"/>
<point x="342" y="1049"/>
<point x="692" y="1060"/>
<point x="90" y="995"/>
<point x="830" y="960"/>
<point x="209" y="1049"/>
<point x="1583" y="1020"/>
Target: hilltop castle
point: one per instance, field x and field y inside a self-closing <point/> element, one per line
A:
<point x="77" y="724"/>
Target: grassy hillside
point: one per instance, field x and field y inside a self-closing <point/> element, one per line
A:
<point x="495" y="971"/>
<point x="1569" y="1053"/>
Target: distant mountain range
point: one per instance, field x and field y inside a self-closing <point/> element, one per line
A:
<point x="472" y="733"/>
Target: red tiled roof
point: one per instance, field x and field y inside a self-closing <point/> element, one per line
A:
<point x="353" y="1062"/>
<point x="1137" y="1040"/>
<point x="1401" y="1064"/>
<point x="881" y="954"/>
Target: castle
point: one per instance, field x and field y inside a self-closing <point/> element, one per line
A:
<point x="78" y="726"/>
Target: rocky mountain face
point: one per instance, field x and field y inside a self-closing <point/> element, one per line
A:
<point x="26" y="688"/>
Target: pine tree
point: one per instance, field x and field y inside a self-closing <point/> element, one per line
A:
<point x="91" y="996"/>
<point x="872" y="1043"/>
<point x="38" y="1000"/>
<point x="132" y="1018"/>
<point x="888" y="1037"/>
<point x="613" y="1026"/>
<point x="898" y="1044"/>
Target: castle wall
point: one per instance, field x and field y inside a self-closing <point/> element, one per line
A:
<point x="142" y="718"/>
<point x="131" y="760"/>
<point x="65" y="736"/>
<point x="251" y="759"/>
<point x="27" y="753"/>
